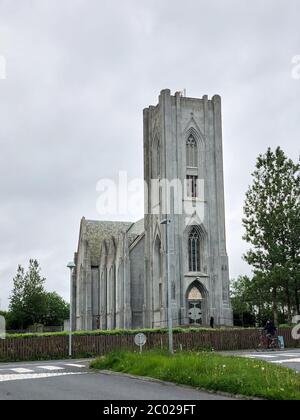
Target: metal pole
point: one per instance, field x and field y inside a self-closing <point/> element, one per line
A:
<point x="170" y="316"/>
<point x="167" y="222"/>
<point x="71" y="266"/>
<point x="71" y="313"/>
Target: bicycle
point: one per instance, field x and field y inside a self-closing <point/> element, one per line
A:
<point x="268" y="342"/>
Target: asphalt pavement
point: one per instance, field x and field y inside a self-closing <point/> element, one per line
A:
<point x="73" y="380"/>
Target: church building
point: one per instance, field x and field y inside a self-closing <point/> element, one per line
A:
<point x="123" y="269"/>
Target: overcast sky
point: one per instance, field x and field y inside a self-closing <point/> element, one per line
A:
<point x="79" y="73"/>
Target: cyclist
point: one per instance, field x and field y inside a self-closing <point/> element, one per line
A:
<point x="270" y="330"/>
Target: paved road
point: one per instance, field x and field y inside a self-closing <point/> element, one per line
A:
<point x="66" y="380"/>
<point x="287" y="358"/>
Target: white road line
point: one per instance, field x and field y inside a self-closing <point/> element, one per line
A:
<point x="288" y="354"/>
<point x="257" y="356"/>
<point x="271" y="356"/>
<point x="8" y="378"/>
<point x="284" y="354"/>
<point x="266" y="356"/>
<point x="50" y="368"/>
<point x="22" y="370"/>
<point x="287" y="361"/>
<point x="75" y="365"/>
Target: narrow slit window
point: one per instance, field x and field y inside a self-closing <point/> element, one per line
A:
<point x="191" y="152"/>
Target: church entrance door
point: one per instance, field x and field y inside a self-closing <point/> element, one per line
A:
<point x="195" y="307"/>
<point x="195" y="312"/>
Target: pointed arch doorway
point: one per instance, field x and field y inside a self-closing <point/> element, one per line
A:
<point x="196" y="304"/>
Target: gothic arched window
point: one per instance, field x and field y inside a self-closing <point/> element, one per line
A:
<point x="194" y="251"/>
<point x="191" y="152"/>
<point x="173" y="291"/>
<point x="192" y="166"/>
<point x="156" y="161"/>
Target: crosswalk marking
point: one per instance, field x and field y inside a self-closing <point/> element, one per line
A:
<point x="75" y="365"/>
<point x="287" y="355"/>
<point x="271" y="356"/>
<point x="281" y="354"/>
<point x="266" y="356"/>
<point x="279" y="362"/>
<point x="36" y="368"/>
<point x="296" y="360"/>
<point x="50" y="368"/>
<point x="20" y="377"/>
<point x="21" y="370"/>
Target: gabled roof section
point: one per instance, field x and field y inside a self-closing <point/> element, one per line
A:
<point x="98" y="231"/>
<point x="136" y="231"/>
<point x="137" y="228"/>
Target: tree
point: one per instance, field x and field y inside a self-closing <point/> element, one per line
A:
<point x="34" y="294"/>
<point x="272" y="224"/>
<point x="27" y="302"/>
<point x="30" y="303"/>
<point x="57" y="310"/>
<point x="250" y="301"/>
<point x="16" y="306"/>
<point x="242" y="302"/>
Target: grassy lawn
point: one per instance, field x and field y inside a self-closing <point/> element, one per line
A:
<point x="209" y="371"/>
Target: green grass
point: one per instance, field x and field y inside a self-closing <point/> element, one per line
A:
<point x="210" y="371"/>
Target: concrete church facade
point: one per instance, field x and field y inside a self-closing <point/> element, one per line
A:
<point x="120" y="279"/>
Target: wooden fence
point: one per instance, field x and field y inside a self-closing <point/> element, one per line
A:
<point x="56" y="347"/>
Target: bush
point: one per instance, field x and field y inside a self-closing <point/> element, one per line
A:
<point x="178" y="330"/>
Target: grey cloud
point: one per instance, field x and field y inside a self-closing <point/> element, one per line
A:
<point x="79" y="74"/>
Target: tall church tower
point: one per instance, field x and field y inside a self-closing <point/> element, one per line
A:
<point x="183" y="166"/>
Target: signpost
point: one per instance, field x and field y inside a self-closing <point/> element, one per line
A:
<point x="140" y="340"/>
<point x="281" y="342"/>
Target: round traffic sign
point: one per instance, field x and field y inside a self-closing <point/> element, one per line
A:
<point x="140" y="340"/>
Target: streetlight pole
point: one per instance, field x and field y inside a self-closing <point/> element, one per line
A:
<point x="71" y="266"/>
<point x="167" y="222"/>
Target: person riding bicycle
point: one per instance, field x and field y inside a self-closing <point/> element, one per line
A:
<point x="270" y="330"/>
